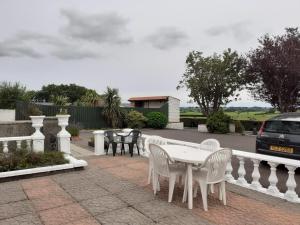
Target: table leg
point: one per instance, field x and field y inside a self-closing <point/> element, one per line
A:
<point x="190" y="185"/>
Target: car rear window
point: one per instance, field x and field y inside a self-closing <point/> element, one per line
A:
<point x="287" y="127"/>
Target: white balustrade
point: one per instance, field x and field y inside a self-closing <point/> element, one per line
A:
<point x="37" y="137"/>
<point x="273" y="161"/>
<point x="63" y="135"/>
<point x="18" y="140"/>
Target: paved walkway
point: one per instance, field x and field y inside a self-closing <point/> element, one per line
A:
<point x="113" y="190"/>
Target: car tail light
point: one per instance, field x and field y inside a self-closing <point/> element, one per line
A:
<point x="261" y="129"/>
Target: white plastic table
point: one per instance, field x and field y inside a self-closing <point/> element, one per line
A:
<point x="190" y="156"/>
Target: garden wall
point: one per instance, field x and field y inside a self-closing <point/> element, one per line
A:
<point x="82" y="116"/>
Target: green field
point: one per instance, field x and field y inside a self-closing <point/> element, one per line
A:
<point x="257" y="116"/>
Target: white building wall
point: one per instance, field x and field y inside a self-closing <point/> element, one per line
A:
<point x="153" y="104"/>
<point x="7" y="115"/>
<point x="174" y="110"/>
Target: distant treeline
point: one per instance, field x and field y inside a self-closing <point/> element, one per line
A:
<point x="228" y="109"/>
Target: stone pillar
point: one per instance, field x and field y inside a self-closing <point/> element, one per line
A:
<point x="63" y="136"/>
<point x="99" y="142"/>
<point x="37" y="137"/>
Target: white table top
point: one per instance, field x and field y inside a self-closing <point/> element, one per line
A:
<point x="122" y="134"/>
<point x="186" y="154"/>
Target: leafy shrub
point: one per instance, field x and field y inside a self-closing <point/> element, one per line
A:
<point x="157" y="120"/>
<point x="239" y="127"/>
<point x="136" y="119"/>
<point x="33" y="110"/>
<point x="218" y="122"/>
<point x="73" y="130"/>
<point x="24" y="159"/>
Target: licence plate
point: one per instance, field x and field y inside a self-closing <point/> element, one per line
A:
<point x="281" y="149"/>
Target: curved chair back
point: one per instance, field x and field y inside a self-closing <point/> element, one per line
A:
<point x="109" y="134"/>
<point x="160" y="160"/>
<point x="210" y="145"/>
<point x="215" y="165"/>
<point x="135" y="135"/>
<point x="158" y="140"/>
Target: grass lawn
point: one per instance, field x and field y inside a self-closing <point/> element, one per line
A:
<point x="258" y="116"/>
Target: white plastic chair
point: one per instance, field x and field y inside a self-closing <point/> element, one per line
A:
<point x="212" y="172"/>
<point x="152" y="140"/>
<point x="162" y="167"/>
<point x="210" y="144"/>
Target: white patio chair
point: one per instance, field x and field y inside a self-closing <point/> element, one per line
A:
<point x="210" y="144"/>
<point x="162" y="167"/>
<point x="212" y="172"/>
<point x="152" y="140"/>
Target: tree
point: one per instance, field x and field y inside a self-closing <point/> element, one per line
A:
<point x="213" y="80"/>
<point x="111" y="111"/>
<point x="72" y="91"/>
<point x="10" y="93"/>
<point x="91" y="98"/>
<point x="273" y="70"/>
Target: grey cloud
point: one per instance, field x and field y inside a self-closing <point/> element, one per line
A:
<point x="166" y="38"/>
<point x="99" y="28"/>
<point x="71" y="53"/>
<point x="238" y="30"/>
<point x="13" y="49"/>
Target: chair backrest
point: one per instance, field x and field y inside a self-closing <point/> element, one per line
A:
<point x="109" y="134"/>
<point x="216" y="163"/>
<point x="210" y="145"/>
<point x="161" y="160"/>
<point x="135" y="135"/>
<point x="154" y="140"/>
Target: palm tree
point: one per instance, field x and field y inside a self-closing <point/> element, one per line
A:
<point x="90" y="98"/>
<point x="111" y="110"/>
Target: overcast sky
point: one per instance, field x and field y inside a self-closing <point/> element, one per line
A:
<point x="137" y="46"/>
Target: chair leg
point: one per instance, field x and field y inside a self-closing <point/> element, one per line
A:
<point x="172" y="180"/>
<point x="150" y="171"/>
<point x="223" y="192"/>
<point x="220" y="192"/>
<point x="184" y="197"/>
<point x="158" y="184"/>
<point x="195" y="191"/>
<point x="154" y="183"/>
<point x="212" y="189"/>
<point x="203" y="187"/>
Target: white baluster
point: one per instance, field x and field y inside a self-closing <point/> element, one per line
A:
<point x="272" y="189"/>
<point x="28" y="144"/>
<point x="19" y="144"/>
<point x="290" y="194"/>
<point x="256" y="175"/>
<point x="242" y="172"/>
<point x="229" y="170"/>
<point x="5" y="146"/>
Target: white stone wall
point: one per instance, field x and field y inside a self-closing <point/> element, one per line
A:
<point x="174" y="110"/>
<point x="7" y="115"/>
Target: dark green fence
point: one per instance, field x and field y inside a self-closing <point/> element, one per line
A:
<point x="85" y="117"/>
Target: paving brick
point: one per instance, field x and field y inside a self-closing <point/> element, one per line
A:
<point x="124" y="216"/>
<point x="64" y="214"/>
<point x="84" y="221"/>
<point x="158" y="209"/>
<point x="119" y="186"/>
<point x="51" y="202"/>
<point x="15" y="209"/>
<point x="136" y="196"/>
<point x="11" y="195"/>
<point x="29" y="219"/>
<point x="181" y="220"/>
<point x="45" y="192"/>
<point x="89" y="192"/>
<point x="37" y="183"/>
<point x="103" y="204"/>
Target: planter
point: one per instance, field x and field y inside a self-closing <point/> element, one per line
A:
<point x="73" y="163"/>
<point x="63" y="135"/>
<point x="202" y="128"/>
<point x="37" y="137"/>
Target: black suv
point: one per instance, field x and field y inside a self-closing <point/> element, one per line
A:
<point x="280" y="136"/>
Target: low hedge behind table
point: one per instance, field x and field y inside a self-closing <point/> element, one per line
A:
<point x="24" y="159"/>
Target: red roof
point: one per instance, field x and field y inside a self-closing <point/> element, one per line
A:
<point x="148" y="98"/>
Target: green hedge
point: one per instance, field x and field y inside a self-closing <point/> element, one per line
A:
<point x="249" y="125"/>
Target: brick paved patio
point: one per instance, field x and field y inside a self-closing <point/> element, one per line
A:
<point x="114" y="190"/>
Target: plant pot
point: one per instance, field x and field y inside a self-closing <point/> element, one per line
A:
<point x="202" y="128"/>
<point x="37" y="121"/>
<point x="63" y="120"/>
<point x="232" y="128"/>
